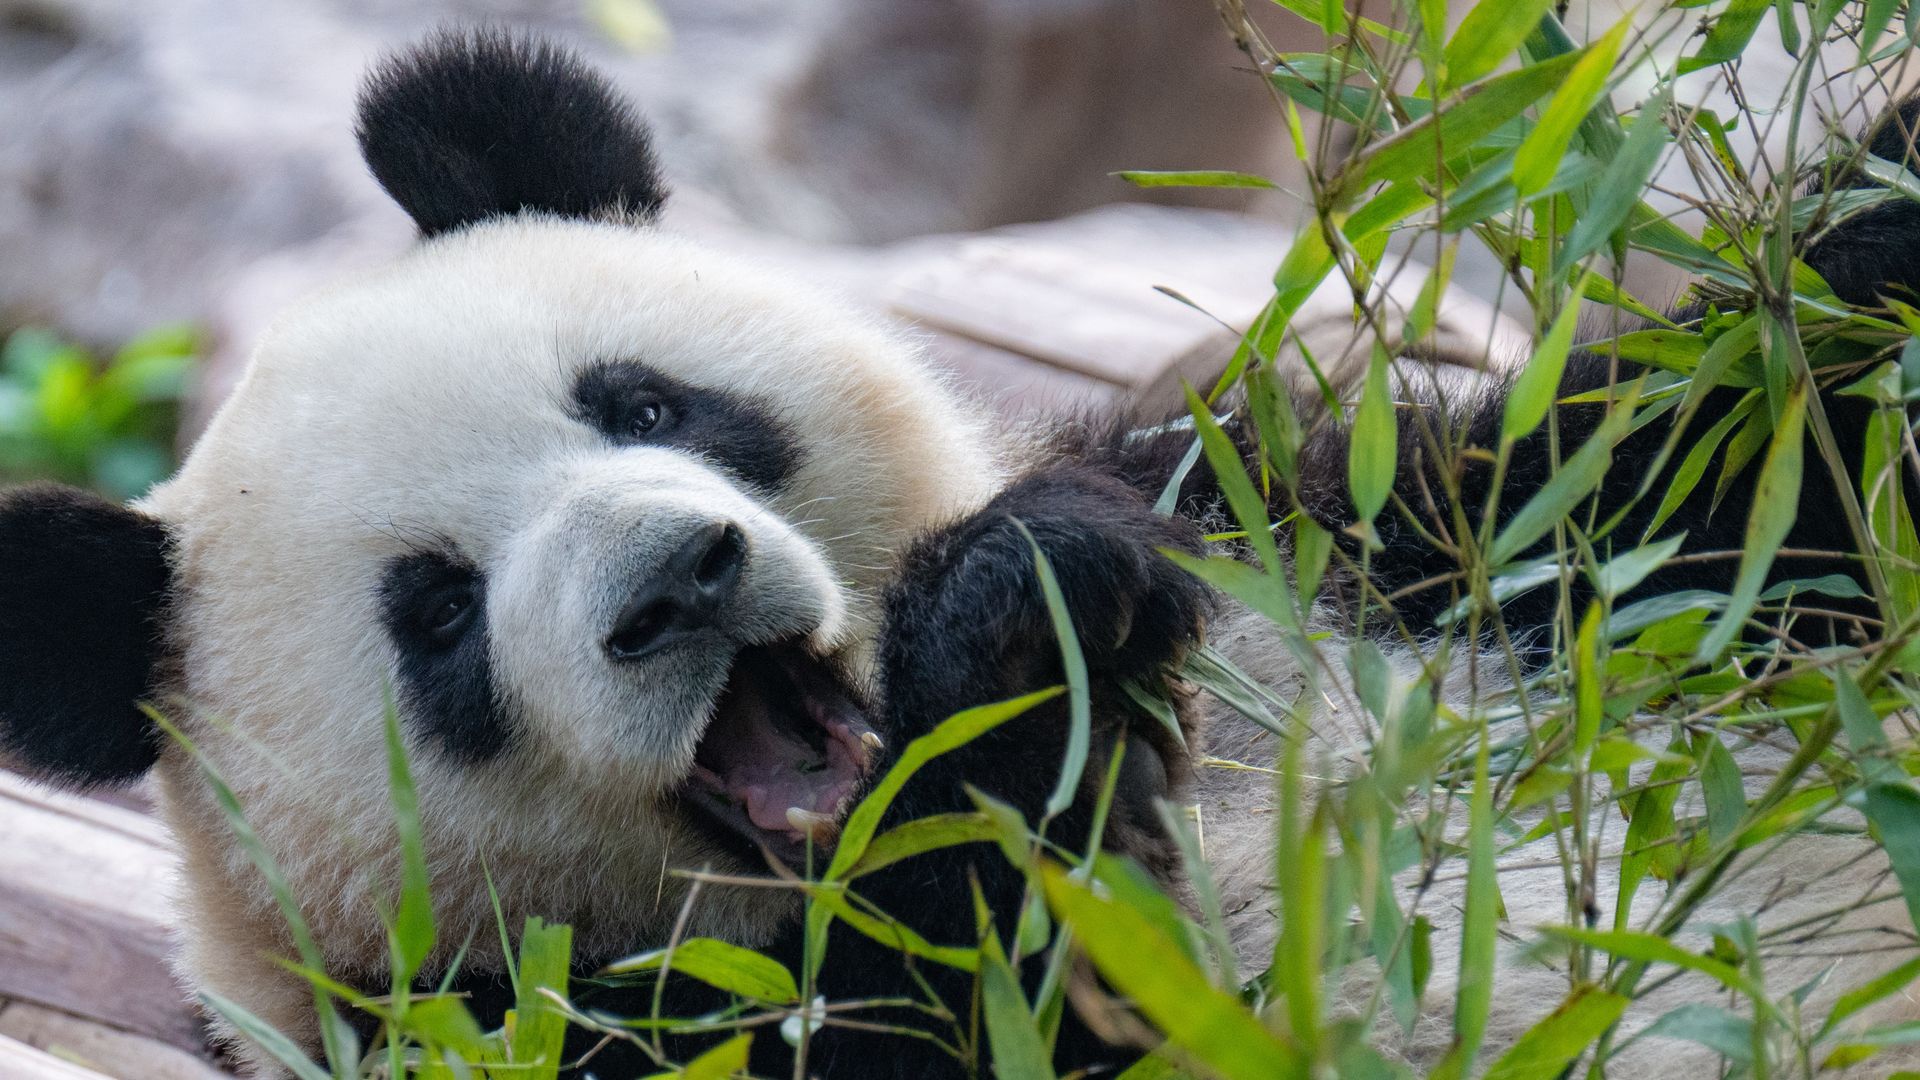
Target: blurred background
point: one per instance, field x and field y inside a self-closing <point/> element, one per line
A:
<point x="173" y="172"/>
<point x="191" y="162"/>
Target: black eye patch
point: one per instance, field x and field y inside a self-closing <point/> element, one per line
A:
<point x="633" y="405"/>
<point x="433" y="608"/>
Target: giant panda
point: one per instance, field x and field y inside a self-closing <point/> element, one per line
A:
<point x="662" y="558"/>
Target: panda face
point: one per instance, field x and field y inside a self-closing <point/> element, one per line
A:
<point x="609" y="516"/>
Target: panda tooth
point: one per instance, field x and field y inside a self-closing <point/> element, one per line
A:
<point x="807" y="821"/>
<point x="870" y="740"/>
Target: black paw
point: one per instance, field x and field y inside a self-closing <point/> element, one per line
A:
<point x="968" y="621"/>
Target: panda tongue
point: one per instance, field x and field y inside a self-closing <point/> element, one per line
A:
<point x="756" y="749"/>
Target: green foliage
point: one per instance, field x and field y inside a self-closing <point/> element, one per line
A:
<point x="1666" y="748"/>
<point x="110" y="426"/>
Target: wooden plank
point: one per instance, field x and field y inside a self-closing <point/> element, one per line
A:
<point x="18" y="1061"/>
<point x="1014" y="383"/>
<point x="84" y="891"/>
<point x="106" y="1050"/>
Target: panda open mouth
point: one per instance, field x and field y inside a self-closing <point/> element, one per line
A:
<point x="785" y="754"/>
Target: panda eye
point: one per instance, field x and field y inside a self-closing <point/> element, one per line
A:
<point x="645" y="417"/>
<point x="445" y="614"/>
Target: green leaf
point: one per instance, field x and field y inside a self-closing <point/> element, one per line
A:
<point x="262" y="1034"/>
<point x="889" y="931"/>
<point x="1475" y="112"/>
<point x="1312" y="550"/>
<point x="954" y="732"/>
<point x="1213" y="1027"/>
<point x="1073" y="763"/>
<point x="1889" y="799"/>
<point x="1539" y="155"/>
<point x="921" y="835"/>
<point x="719" y="964"/>
<point x="1776" y="501"/>
<point x="1875" y="989"/>
<point x="1533" y="391"/>
<point x="1839" y="586"/>
<point x="1623" y="572"/>
<point x="539" y="1025"/>
<point x="1548" y="1047"/>
<point x="1019" y="1053"/>
<point x="1729" y="36"/>
<point x="413" y="932"/>
<point x="1654" y="949"/>
<point x="1374" y="441"/>
<point x="1576" y="478"/>
<point x="1214" y="178"/>
<point x="1249" y="509"/>
<point x="1617" y="192"/>
<point x="1873" y="24"/>
<point x="445" y="1022"/>
<point x="1491" y="32"/>
<point x="1721" y="789"/>
<point x="1649" y="827"/>
<point x="1473" y="995"/>
<point x="1723" y="1032"/>
<point x="1694" y="465"/>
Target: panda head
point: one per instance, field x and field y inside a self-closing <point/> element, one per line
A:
<point x="608" y="515"/>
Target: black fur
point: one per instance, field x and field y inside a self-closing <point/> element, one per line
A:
<point x="433" y="607"/>
<point x="732" y="431"/>
<point x="1873" y="253"/>
<point x="475" y="124"/>
<point x="82" y="585"/>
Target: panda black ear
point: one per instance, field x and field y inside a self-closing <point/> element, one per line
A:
<point x="473" y="124"/>
<point x="1871" y="253"/>
<point x="82" y="581"/>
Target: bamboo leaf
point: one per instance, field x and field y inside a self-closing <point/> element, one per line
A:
<point x="276" y="1043"/>
<point x="723" y="1061"/>
<point x="1249" y="509"/>
<point x="954" y="732"/>
<point x="1539" y="381"/>
<point x="539" y="1026"/>
<point x="1776" y="502"/>
<point x="1374" y="442"/>
<point x="1475" y="112"/>
<point x="413" y="932"/>
<point x="719" y="964"/>
<point x="1540" y="153"/>
<point x="1491" y="32"/>
<point x="1729" y="35"/>
<point x="1654" y="949"/>
<point x="1576" y="478"/>
<point x="1617" y="192"/>
<point x="921" y="835"/>
<point x="1019" y="1053"/>
<point x="1202" y="1021"/>
<point x="1214" y="178"/>
<point x="1889" y="799"/>
<point x="1548" y="1047"/>
<point x="1073" y="762"/>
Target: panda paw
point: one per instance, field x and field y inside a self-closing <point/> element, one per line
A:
<point x="969" y="622"/>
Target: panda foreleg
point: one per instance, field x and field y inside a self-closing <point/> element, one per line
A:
<point x="966" y="624"/>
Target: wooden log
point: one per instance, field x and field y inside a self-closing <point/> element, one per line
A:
<point x="84" y="904"/>
<point x="18" y="1061"/>
<point x="119" y="1054"/>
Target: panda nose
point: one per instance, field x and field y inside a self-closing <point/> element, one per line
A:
<point x="683" y="597"/>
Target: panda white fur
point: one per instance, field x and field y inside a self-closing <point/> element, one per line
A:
<point x="628" y="526"/>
